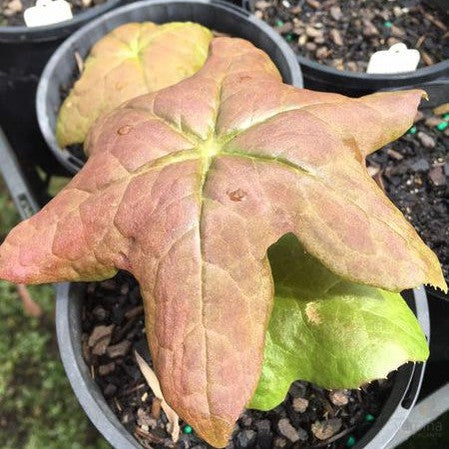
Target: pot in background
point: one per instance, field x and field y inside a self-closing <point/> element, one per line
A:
<point x="214" y="14"/>
<point x="24" y="52"/>
<point x="434" y="79"/>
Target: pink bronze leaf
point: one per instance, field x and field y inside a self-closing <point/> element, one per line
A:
<point x="187" y="187"/>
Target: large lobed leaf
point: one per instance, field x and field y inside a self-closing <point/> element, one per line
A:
<point x="186" y="188"/>
<point x="132" y="60"/>
<point x="329" y="331"/>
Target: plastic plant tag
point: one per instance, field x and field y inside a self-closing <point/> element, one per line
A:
<point x="47" y="12"/>
<point x="398" y="58"/>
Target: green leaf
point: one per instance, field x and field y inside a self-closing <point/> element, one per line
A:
<point x="328" y="331"/>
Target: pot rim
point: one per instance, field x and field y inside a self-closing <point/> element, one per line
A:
<point x="68" y="328"/>
<point x="12" y="34"/>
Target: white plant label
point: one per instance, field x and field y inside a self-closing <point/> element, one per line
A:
<point x="47" y="12"/>
<point x="397" y="59"/>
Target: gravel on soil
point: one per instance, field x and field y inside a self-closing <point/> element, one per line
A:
<point x="344" y="34"/>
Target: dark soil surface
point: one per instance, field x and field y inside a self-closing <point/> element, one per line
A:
<point x="11" y="11"/>
<point x="113" y="327"/>
<point x="414" y="173"/>
<point x="344" y="34"/>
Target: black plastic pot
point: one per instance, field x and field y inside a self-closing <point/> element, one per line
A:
<point x="405" y="390"/>
<point x="218" y="15"/>
<point x="68" y="325"/>
<point x="439" y="318"/>
<point x="433" y="79"/>
<point x="15" y="180"/>
<point x="23" y="54"/>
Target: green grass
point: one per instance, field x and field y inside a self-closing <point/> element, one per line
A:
<point x="37" y="407"/>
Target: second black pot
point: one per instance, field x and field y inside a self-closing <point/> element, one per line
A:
<point x="24" y="51"/>
<point x="434" y="79"/>
<point x="216" y="15"/>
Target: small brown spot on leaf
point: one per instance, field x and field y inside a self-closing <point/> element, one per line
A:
<point x="124" y="130"/>
<point x="237" y="195"/>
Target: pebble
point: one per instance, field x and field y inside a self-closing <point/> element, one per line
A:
<point x="280" y="442"/>
<point x="104" y="370"/>
<point x="339" y="397"/>
<point x="302" y="40"/>
<point x="338" y="64"/>
<point x="395" y="154"/>
<point x="326" y="429"/>
<point x="398" y="32"/>
<point x="100" y="338"/>
<point x="287" y="430"/>
<point x="284" y="28"/>
<point x="313" y="32"/>
<point x="393" y="41"/>
<point x="262" y="5"/>
<point x="246" y="439"/>
<point x="336" y="13"/>
<point x="369" y="29"/>
<point x="119" y="350"/>
<point x="15" y="6"/>
<point x="428" y="60"/>
<point x="433" y="122"/>
<point x="322" y="52"/>
<point x="426" y="140"/>
<point x="437" y="177"/>
<point x="300" y="404"/>
<point x="336" y="37"/>
<point x="315" y="4"/>
<point x="352" y="66"/>
<point x="99" y="313"/>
